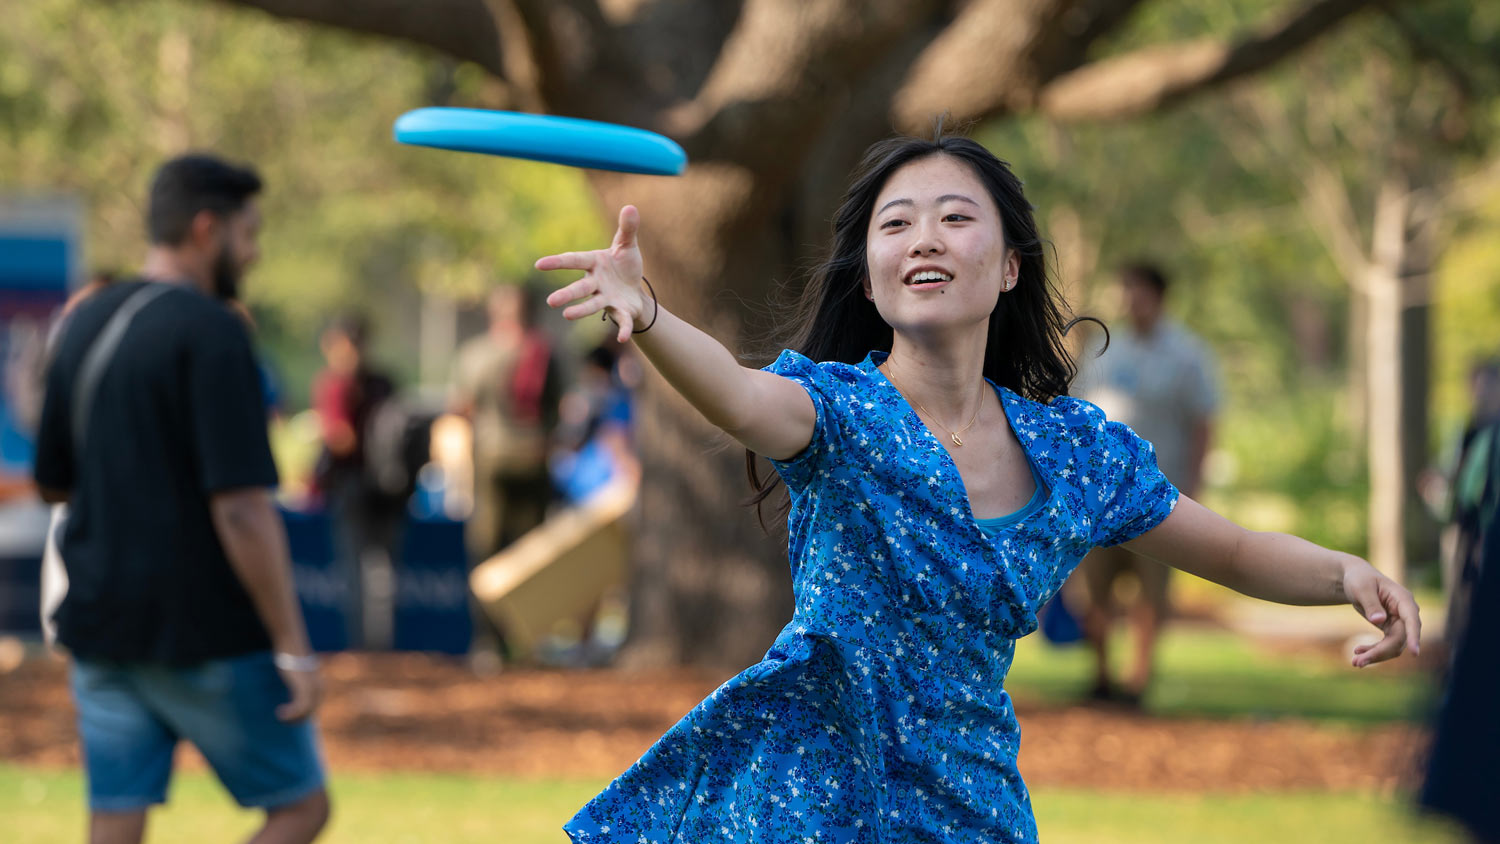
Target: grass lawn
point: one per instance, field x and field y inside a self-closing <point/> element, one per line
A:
<point x="46" y="806"/>
<point x="1217" y="674"/>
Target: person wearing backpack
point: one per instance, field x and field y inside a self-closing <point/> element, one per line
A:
<point x="508" y="383"/>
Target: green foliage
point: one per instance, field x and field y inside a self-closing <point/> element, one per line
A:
<point x="1290" y="464"/>
<point x="93" y="96"/>
<point x="1466" y="319"/>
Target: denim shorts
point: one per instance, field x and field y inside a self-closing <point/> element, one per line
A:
<point x="131" y="716"/>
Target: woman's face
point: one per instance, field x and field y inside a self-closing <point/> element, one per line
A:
<point x="935" y="249"/>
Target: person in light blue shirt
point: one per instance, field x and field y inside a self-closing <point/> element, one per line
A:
<point x="1157" y="377"/>
<point x="941" y="485"/>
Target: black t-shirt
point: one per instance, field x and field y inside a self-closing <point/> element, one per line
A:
<point x="176" y="416"/>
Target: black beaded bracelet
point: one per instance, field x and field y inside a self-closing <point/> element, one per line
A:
<point x="655" y="308"/>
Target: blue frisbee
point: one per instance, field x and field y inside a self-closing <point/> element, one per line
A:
<point x="543" y="137"/>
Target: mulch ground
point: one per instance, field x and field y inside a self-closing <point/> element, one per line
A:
<point x="417" y="713"/>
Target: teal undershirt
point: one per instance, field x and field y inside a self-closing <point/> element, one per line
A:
<point x="993" y="527"/>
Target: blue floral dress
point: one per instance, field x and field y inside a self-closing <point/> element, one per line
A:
<point x="879" y="714"/>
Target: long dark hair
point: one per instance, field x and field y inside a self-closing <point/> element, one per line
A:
<point x="833" y="321"/>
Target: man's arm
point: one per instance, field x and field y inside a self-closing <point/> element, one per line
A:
<point x="254" y="540"/>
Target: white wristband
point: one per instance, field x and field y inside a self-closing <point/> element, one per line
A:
<point x="305" y="664"/>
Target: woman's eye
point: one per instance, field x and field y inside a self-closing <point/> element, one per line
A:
<point x="955" y="218"/>
<point x="890" y="224"/>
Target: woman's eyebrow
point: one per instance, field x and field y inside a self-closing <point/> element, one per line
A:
<point x="958" y="196"/>
<point x="947" y="197"/>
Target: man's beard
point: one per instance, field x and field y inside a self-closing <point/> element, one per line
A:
<point x="226" y="274"/>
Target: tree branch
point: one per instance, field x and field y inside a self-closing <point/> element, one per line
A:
<point x="998" y="54"/>
<point x="767" y="97"/>
<point x="1154" y="77"/>
<point x="463" y="29"/>
<point x="569" y="43"/>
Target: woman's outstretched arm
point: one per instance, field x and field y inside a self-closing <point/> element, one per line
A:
<point x="768" y="414"/>
<point x="1286" y="569"/>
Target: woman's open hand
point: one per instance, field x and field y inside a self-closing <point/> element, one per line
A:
<point x="611" y="282"/>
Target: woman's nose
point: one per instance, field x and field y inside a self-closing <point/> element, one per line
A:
<point x="927" y="242"/>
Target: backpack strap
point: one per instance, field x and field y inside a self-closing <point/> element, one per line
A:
<point x="101" y="352"/>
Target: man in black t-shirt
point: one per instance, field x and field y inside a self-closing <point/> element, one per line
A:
<point x="181" y="616"/>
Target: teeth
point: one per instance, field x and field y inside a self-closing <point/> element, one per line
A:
<point x="929" y="275"/>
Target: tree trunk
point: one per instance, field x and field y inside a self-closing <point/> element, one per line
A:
<point x="1384" y="391"/>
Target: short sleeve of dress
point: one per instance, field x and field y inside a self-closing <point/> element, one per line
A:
<point x="798" y="471"/>
<point x="1127" y="492"/>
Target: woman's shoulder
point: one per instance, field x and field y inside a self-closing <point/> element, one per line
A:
<point x="795" y="365"/>
<point x="1076" y="411"/>
<point x="1065" y="424"/>
<point x="1064" y="412"/>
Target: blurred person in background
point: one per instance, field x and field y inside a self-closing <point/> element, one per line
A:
<point x="508" y="383"/>
<point x="181" y="616"/>
<point x="1467" y="487"/>
<point x="1465" y="760"/>
<point x="595" y="430"/>
<point x="1158" y="378"/>
<point x="350" y="396"/>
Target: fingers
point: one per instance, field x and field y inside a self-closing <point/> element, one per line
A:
<point x="568" y="261"/>
<point x="304" y="687"/>
<point x="587" y="308"/>
<point x="1388" y="647"/>
<point x="1405" y="608"/>
<point x="580" y="289"/>
<point x="293" y="710"/>
<point x="630" y="223"/>
<point x="627" y="326"/>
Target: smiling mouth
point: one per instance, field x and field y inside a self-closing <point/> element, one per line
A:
<point x="926" y="278"/>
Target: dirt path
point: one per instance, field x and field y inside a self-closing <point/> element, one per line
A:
<point x="411" y="712"/>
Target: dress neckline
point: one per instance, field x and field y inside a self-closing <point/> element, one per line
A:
<point x="1010" y="405"/>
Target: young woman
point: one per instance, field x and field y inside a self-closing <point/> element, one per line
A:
<point x="942" y="487"/>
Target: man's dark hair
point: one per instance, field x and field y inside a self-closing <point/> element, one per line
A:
<point x="189" y="184"/>
<point x="352" y="325"/>
<point x="1147" y="273"/>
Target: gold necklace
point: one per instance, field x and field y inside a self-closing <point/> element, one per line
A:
<point x="953" y="435"/>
